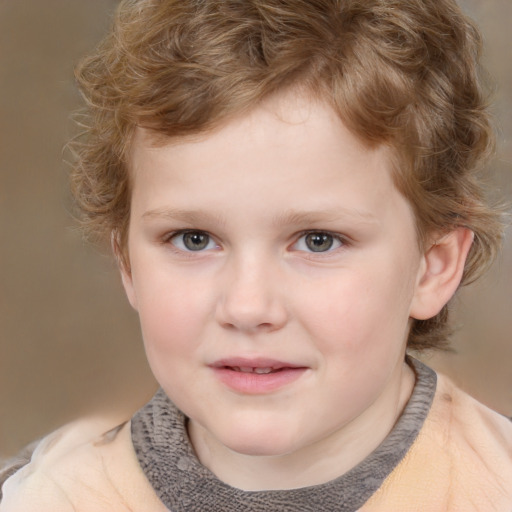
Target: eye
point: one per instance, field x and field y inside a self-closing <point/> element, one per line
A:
<point x="318" y="241"/>
<point x="192" y="241"/>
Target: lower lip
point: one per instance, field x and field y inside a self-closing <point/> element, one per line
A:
<point x="257" y="383"/>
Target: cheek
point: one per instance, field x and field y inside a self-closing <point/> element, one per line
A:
<point x="171" y="329"/>
<point x="361" y="312"/>
<point x="172" y="313"/>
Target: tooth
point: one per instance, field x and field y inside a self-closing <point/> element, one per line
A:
<point x="262" y="370"/>
<point x="246" y="369"/>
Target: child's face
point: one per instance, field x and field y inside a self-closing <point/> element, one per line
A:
<point x="278" y="241"/>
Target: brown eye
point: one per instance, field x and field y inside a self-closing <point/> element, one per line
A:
<point x="319" y="242"/>
<point x="193" y="241"/>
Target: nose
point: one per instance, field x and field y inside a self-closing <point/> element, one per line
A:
<point x="252" y="297"/>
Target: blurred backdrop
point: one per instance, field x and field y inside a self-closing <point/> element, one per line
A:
<point x="69" y="343"/>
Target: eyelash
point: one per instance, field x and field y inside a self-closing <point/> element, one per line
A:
<point x="170" y="236"/>
<point x="341" y="240"/>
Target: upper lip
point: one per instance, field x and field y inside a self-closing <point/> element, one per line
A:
<point x="258" y="362"/>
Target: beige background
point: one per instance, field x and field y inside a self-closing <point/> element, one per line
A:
<point x="69" y="342"/>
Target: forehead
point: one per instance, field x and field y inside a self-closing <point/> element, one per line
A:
<point x="289" y="150"/>
<point x="284" y="121"/>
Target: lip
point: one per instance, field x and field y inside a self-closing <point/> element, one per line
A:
<point x="236" y="374"/>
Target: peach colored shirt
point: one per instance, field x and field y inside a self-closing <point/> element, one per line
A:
<point x="461" y="461"/>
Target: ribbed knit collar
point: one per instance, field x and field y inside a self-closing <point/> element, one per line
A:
<point x="183" y="484"/>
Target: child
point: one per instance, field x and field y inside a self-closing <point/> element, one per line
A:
<point x="290" y="190"/>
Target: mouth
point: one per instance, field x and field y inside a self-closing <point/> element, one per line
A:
<point x="256" y="369"/>
<point x="256" y="376"/>
<point x="260" y="365"/>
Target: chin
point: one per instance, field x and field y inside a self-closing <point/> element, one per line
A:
<point x="259" y="444"/>
<point x="259" y="450"/>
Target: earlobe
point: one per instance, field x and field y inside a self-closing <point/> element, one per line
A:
<point x="440" y="273"/>
<point x="125" y="270"/>
<point x="126" y="278"/>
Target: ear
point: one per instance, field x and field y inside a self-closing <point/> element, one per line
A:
<point x="440" y="273"/>
<point x="123" y="264"/>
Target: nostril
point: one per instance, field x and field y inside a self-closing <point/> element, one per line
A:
<point x="266" y="326"/>
<point x="262" y="327"/>
<point x="250" y="309"/>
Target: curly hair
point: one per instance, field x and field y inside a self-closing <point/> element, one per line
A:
<point x="404" y="73"/>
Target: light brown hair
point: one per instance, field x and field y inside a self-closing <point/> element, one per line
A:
<point x="403" y="73"/>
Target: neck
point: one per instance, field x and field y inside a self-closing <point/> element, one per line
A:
<point x="316" y="463"/>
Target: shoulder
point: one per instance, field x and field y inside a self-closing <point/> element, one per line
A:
<point x="9" y="467"/>
<point x="88" y="465"/>
<point x="461" y="460"/>
<point x="471" y="430"/>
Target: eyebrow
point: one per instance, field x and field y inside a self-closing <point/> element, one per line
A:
<point x="292" y="217"/>
<point x="289" y="217"/>
<point x="189" y="216"/>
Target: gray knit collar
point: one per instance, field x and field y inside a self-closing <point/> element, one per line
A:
<point x="183" y="484"/>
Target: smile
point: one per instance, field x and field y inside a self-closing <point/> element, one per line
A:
<point x="256" y="376"/>
<point x="258" y="370"/>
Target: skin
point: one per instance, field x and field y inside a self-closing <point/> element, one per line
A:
<point x="251" y="189"/>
